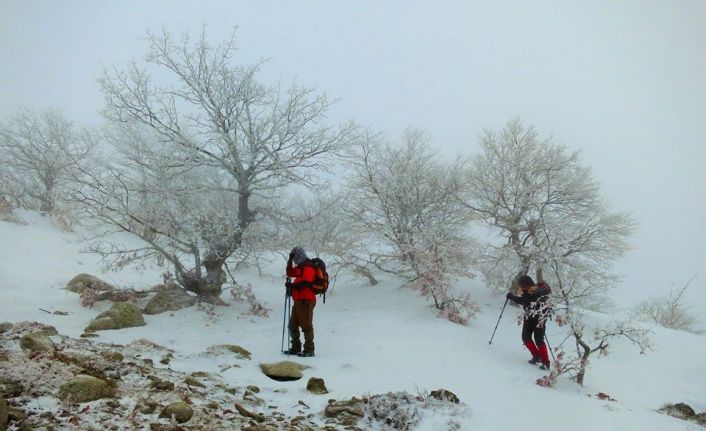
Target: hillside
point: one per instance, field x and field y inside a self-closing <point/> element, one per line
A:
<point x="370" y="340"/>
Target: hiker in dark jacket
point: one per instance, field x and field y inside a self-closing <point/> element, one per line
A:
<point x="299" y="268"/>
<point x="536" y="301"/>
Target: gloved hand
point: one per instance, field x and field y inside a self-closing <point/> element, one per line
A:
<point x="509" y="295"/>
<point x="288" y="285"/>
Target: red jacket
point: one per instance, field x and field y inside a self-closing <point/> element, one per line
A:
<point x="303" y="275"/>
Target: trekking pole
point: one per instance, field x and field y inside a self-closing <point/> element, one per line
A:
<point x="549" y="346"/>
<point x="284" y="318"/>
<point x="496" y="325"/>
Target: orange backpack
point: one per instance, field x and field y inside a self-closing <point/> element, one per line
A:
<point x="320" y="284"/>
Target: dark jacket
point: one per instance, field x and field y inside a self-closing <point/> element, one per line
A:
<point x="536" y="301"/>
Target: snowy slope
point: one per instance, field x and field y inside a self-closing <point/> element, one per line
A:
<point x="371" y="340"/>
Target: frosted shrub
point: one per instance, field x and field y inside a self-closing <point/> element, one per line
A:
<point x="245" y="294"/>
<point x="668" y="311"/>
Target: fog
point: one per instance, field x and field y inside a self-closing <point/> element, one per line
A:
<point x="623" y="82"/>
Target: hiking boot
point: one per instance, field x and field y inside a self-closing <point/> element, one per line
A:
<point x="535" y="360"/>
<point x="292" y="352"/>
<point x="544" y="366"/>
<point x="305" y="354"/>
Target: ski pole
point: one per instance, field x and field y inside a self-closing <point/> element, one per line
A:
<point x="496" y="325"/>
<point x="549" y="346"/>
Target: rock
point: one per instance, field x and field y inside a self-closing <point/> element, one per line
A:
<point x="166" y="359"/>
<point x="86" y="281"/>
<point x="283" y="371"/>
<point x="248" y="414"/>
<point x="145" y="406"/>
<point x="9" y="388"/>
<point x="169" y="300"/>
<point x="5" y="326"/>
<point x="120" y="315"/>
<point x="181" y="411"/>
<point x="239" y="352"/>
<point x="352" y="407"/>
<point x="193" y="382"/>
<point x="444" y="395"/>
<point x="82" y="389"/>
<point x="679" y="410"/>
<point x="212" y="405"/>
<point x="60" y="313"/>
<point x="317" y="386"/>
<point x="113" y="356"/>
<point x="700" y="419"/>
<point x="254" y="389"/>
<point x="37" y="343"/>
<point x="162" y="385"/>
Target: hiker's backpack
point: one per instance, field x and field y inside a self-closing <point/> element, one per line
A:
<point x="320" y="284"/>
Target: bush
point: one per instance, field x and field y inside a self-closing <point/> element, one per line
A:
<point x="668" y="311"/>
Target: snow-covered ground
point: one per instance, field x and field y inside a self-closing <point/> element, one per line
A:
<point x="370" y="340"/>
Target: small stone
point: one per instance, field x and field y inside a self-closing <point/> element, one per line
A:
<point x="86" y="281"/>
<point x="166" y="359"/>
<point x="316" y="386"/>
<point x="146" y="406"/>
<point x="162" y="385"/>
<point x="254" y="389"/>
<point x="193" y="382"/>
<point x="113" y="356"/>
<point x="181" y="412"/>
<point x="444" y="395"/>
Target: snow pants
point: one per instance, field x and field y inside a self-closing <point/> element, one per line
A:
<point x="302" y="317"/>
<point x="532" y="329"/>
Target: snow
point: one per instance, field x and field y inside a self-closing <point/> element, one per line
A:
<point x="369" y="340"/>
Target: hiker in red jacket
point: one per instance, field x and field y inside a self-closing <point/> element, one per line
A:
<point x="536" y="301"/>
<point x="299" y="267"/>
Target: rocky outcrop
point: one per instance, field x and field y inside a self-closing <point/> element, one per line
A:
<point x="181" y="412"/>
<point x="82" y="389"/>
<point x="86" y="281"/>
<point x="37" y="343"/>
<point x="317" y="386"/>
<point x="169" y="300"/>
<point x="120" y="315"/>
<point x="283" y="371"/>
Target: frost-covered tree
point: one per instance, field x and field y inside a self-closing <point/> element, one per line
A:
<point x="542" y="207"/>
<point x="40" y="152"/>
<point x="542" y="203"/>
<point x="404" y="198"/>
<point x="237" y="141"/>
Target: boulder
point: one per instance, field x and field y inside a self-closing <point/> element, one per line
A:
<point x="283" y="371"/>
<point x="86" y="281"/>
<point x="239" y="352"/>
<point x="181" y="411"/>
<point x="317" y="386"/>
<point x="37" y="343"/>
<point x="169" y="300"/>
<point x="82" y="389"/>
<point x="120" y="315"/>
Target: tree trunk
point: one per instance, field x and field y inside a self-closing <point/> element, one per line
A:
<point x="583" y="363"/>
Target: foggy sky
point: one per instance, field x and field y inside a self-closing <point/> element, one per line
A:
<point x="624" y="82"/>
